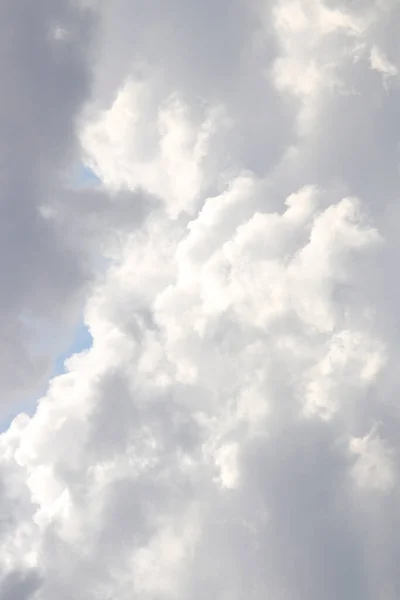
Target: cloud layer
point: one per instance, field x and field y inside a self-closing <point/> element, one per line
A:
<point x="233" y="431"/>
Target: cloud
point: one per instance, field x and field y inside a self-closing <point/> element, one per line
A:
<point x="45" y="79"/>
<point x="20" y="586"/>
<point x="173" y="170"/>
<point x="232" y="432"/>
<point x="379" y="62"/>
<point x="373" y="468"/>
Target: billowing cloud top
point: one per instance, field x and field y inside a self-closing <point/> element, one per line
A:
<point x="233" y="431"/>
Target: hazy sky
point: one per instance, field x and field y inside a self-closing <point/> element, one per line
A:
<point x="211" y="187"/>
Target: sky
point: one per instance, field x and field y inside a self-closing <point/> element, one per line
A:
<point x="199" y="331"/>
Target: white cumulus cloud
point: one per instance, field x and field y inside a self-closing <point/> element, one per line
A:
<point x="233" y="432"/>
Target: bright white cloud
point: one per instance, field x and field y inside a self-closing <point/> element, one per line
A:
<point x="167" y="149"/>
<point x="218" y="440"/>
<point x="373" y="468"/>
<point x="379" y="62"/>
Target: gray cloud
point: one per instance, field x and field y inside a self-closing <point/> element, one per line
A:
<point x="48" y="229"/>
<point x="45" y="79"/>
<point x="20" y="586"/>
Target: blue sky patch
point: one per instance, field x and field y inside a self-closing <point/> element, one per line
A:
<point x="80" y="340"/>
<point x="83" y="176"/>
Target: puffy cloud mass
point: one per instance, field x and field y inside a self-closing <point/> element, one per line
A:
<point x="233" y="432"/>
